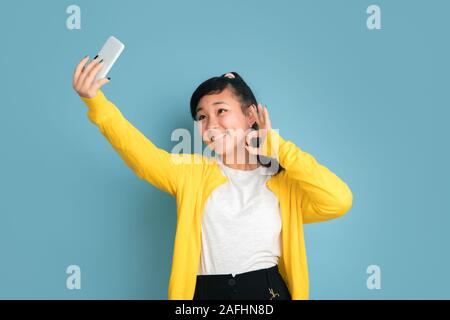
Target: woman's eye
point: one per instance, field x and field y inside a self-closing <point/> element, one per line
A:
<point x="201" y="117"/>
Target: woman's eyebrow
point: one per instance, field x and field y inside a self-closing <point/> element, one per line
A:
<point x="215" y="103"/>
<point x="220" y="102"/>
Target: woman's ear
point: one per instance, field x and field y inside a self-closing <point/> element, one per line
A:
<point x="250" y="117"/>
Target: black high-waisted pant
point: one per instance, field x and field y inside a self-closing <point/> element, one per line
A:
<point x="262" y="284"/>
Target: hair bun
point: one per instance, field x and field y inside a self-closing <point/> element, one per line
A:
<point x="229" y="75"/>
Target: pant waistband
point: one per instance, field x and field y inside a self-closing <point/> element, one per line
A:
<point x="239" y="275"/>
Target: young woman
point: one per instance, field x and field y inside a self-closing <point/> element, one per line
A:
<point x="240" y="214"/>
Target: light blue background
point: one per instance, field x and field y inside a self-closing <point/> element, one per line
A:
<point x="370" y="105"/>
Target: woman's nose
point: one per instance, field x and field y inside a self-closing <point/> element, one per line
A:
<point x="212" y="125"/>
<point x="212" y="122"/>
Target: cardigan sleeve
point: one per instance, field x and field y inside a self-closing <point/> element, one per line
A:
<point x="147" y="161"/>
<point x="323" y="194"/>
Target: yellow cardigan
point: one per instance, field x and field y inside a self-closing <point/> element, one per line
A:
<point x="307" y="192"/>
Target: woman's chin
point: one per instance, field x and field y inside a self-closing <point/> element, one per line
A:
<point x="223" y="147"/>
<point x="219" y="151"/>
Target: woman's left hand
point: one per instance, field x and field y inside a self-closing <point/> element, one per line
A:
<point x="264" y="127"/>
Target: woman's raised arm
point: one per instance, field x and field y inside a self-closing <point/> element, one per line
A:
<point x="149" y="162"/>
<point x="323" y="194"/>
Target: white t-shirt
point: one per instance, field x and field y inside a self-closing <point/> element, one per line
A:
<point x="241" y="224"/>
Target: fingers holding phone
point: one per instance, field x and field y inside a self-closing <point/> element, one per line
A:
<point x="83" y="78"/>
<point x="88" y="78"/>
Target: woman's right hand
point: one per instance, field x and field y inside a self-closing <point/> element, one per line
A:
<point x="83" y="78"/>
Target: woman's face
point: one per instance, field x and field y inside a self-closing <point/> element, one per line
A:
<point x="220" y="116"/>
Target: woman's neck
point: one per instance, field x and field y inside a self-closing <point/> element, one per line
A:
<point x="232" y="162"/>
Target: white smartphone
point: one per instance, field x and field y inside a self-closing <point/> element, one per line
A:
<point x="110" y="51"/>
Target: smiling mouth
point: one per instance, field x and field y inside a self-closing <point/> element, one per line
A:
<point x="218" y="137"/>
<point x="213" y="138"/>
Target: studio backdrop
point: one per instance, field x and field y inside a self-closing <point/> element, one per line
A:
<point x="360" y="85"/>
